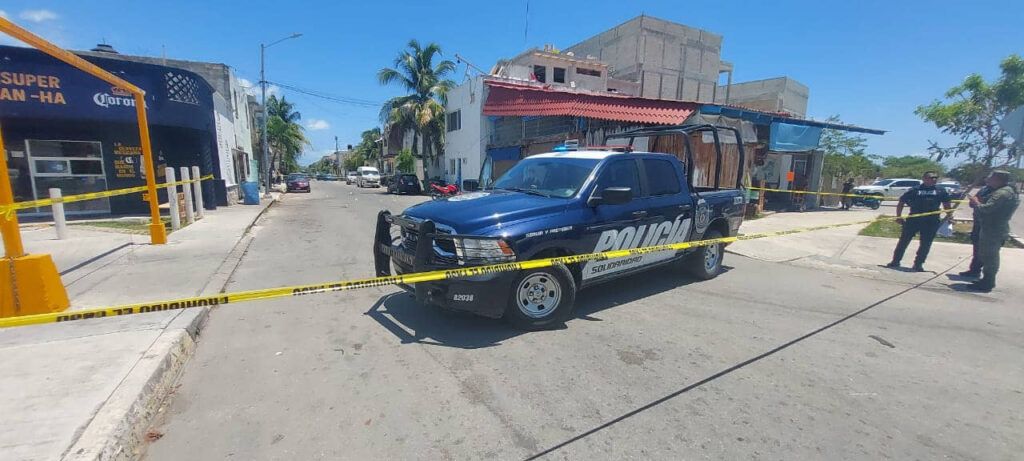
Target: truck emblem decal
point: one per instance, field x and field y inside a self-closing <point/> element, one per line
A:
<point x="702" y="217"/>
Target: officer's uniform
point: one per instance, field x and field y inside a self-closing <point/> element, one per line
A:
<point x="995" y="216"/>
<point x="921" y="199"/>
<point x="975" y="266"/>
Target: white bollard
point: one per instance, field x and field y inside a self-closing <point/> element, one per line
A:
<point x="58" y="215"/>
<point x="172" y="199"/>
<point x="198" y="188"/>
<point x="190" y="214"/>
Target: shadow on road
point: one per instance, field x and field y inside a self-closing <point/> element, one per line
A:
<point x="411" y="322"/>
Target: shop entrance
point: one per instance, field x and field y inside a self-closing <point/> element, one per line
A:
<point x="76" y="167"/>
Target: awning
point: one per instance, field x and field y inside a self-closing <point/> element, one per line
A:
<point x="767" y="118"/>
<point x="512" y="99"/>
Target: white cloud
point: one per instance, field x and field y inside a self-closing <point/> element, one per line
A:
<point x="253" y="88"/>
<point x="316" y="124"/>
<point x="38" y="15"/>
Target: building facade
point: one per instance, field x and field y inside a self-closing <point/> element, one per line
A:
<point x="237" y="155"/>
<point x="66" y="129"/>
<point x="673" y="61"/>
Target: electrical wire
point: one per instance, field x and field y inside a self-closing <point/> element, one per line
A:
<point x="329" y="97"/>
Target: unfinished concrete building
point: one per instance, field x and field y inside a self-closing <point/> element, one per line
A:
<point x="673" y="61"/>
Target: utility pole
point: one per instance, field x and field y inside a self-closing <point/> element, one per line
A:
<point x="266" y="114"/>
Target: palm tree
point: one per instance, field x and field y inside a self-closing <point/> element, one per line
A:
<point x="284" y="134"/>
<point x="370" y="143"/>
<point x="422" y="108"/>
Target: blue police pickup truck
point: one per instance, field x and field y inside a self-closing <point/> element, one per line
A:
<point x="561" y="204"/>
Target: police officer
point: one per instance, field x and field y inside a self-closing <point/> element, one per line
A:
<point x="922" y="199"/>
<point x="974" y="270"/>
<point x="995" y="215"/>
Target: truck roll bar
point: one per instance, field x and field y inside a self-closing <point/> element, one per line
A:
<point x="686" y="131"/>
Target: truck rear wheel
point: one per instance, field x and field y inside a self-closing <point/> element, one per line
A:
<point x="706" y="262"/>
<point x="541" y="298"/>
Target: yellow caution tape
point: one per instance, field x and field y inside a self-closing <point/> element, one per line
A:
<point x="345" y="285"/>
<point x="6" y="210"/>
<point x="837" y="194"/>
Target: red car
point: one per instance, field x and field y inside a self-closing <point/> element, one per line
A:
<point x="297" y="183"/>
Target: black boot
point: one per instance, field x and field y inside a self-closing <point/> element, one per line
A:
<point x="981" y="286"/>
<point x="970" y="273"/>
<point x="893" y="265"/>
<point x="917" y="268"/>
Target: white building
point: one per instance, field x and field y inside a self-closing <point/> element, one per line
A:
<point x="466" y="140"/>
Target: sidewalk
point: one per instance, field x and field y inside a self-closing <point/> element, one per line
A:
<point x="88" y="389"/>
<point x="842" y="250"/>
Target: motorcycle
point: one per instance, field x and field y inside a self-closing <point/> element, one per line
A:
<point x="870" y="201"/>
<point x="438" y="192"/>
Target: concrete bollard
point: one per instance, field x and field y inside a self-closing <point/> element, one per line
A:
<point x="197" y="187"/>
<point x="172" y="199"/>
<point x="190" y="214"/>
<point x="59" y="222"/>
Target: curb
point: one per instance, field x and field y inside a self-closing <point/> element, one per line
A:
<point x="118" y="430"/>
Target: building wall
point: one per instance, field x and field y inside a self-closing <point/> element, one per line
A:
<point x="235" y="120"/>
<point x="774" y="94"/>
<point x="522" y="68"/>
<point x="467" y="145"/>
<point x="669" y="60"/>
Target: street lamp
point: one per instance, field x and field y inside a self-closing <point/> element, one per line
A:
<point x="266" y="114"/>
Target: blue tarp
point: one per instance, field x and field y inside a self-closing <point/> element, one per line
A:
<point x="504" y="153"/>
<point x="787" y="137"/>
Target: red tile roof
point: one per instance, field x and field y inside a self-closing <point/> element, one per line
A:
<point x="513" y="99"/>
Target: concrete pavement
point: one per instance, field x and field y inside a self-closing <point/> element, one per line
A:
<point x="87" y="389"/>
<point x="770" y="360"/>
<point x="841" y="249"/>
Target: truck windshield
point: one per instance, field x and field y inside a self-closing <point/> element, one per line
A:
<point x="550" y="177"/>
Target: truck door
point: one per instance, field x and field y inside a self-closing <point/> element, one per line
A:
<point x="668" y="203"/>
<point x="614" y="227"/>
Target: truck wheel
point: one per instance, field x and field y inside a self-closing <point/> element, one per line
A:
<point x="706" y="262"/>
<point x="541" y="298"/>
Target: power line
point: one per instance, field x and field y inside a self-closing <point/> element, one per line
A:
<point x="329" y="97"/>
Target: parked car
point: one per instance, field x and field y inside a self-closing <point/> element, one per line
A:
<point x="367" y="176"/>
<point x="321" y="177"/>
<point x="557" y="204"/>
<point x="297" y="183"/>
<point x="953" y="188"/>
<point x="350" y="177"/>
<point x="888" y="189"/>
<point x="405" y="184"/>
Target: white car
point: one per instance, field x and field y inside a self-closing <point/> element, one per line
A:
<point x="350" y="177"/>
<point x="890" y="189"/>
<point x="367" y="176"/>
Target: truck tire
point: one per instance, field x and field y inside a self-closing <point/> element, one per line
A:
<point x="706" y="262"/>
<point x="541" y="298"/>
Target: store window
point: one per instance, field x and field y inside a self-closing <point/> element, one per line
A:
<point x="75" y="167"/>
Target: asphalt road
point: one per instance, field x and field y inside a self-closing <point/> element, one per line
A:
<point x="767" y="361"/>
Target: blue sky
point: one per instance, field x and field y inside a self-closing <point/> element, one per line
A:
<point x="872" y="62"/>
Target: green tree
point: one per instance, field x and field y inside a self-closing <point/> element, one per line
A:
<point x="405" y="162"/>
<point x="426" y="85"/>
<point x="285" y="135"/>
<point x="354" y="160"/>
<point x="909" y="166"/>
<point x="972" y="110"/>
<point x="845" y="154"/>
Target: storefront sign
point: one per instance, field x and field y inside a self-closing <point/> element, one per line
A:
<point x="36" y="85"/>
<point x="127" y="159"/>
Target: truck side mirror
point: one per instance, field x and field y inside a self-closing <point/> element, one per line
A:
<point x="612" y="196"/>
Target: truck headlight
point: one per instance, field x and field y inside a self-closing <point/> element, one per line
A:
<point x="483" y="250"/>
